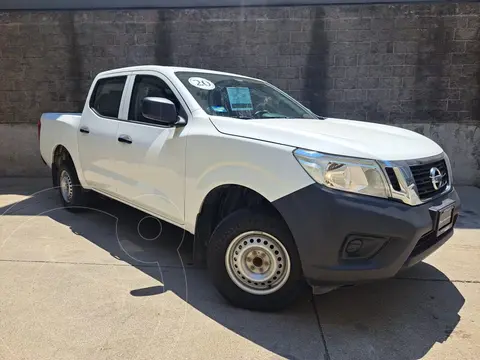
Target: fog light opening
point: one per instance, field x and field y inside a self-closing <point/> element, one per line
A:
<point x="354" y="246"/>
<point x="359" y="246"/>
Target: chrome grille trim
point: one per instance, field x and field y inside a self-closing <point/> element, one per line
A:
<point x="408" y="193"/>
<point x="423" y="180"/>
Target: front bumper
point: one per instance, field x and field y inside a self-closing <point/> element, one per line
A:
<point x="346" y="238"/>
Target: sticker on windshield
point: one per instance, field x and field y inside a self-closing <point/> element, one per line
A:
<point x="201" y="83"/>
<point x="240" y="99"/>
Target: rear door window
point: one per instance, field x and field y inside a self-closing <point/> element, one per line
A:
<point x="107" y="96"/>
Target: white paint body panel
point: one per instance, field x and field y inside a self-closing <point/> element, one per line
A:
<point x="150" y="172"/>
<point x="335" y="136"/>
<point x="96" y="151"/>
<point x="168" y="172"/>
<point x="269" y="169"/>
<point x="60" y="129"/>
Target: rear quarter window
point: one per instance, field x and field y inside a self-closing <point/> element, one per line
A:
<point x="107" y="96"/>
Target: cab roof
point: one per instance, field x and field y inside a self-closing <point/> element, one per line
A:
<point x="167" y="70"/>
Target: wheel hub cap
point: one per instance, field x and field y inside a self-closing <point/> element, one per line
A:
<point x="258" y="263"/>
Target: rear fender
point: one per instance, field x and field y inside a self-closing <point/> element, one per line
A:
<point x="61" y="130"/>
<point x="76" y="164"/>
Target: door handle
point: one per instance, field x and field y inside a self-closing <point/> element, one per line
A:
<point x="125" y="139"/>
<point x="85" y="130"/>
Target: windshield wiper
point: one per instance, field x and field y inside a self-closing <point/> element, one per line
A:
<point x="244" y="117"/>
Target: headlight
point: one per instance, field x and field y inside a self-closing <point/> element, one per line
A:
<point x="360" y="176"/>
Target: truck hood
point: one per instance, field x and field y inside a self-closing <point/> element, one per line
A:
<point x="334" y="136"/>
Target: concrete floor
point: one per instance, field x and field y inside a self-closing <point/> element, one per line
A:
<point x="93" y="286"/>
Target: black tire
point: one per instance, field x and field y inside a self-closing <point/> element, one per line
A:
<point x="234" y="225"/>
<point x="79" y="198"/>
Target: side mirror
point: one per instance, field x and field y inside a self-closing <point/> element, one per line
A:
<point x="160" y="110"/>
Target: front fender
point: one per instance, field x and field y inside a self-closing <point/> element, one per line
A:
<point x="268" y="169"/>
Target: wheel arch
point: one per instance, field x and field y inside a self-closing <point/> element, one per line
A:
<point x="220" y="202"/>
<point x="61" y="153"/>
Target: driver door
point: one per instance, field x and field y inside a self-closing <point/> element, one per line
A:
<point x="151" y="156"/>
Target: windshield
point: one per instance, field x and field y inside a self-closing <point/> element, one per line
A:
<point x="242" y="98"/>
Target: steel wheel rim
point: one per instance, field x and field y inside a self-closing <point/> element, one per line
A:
<point x="66" y="186"/>
<point x="257" y="263"/>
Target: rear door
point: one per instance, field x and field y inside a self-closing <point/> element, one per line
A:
<point x="150" y="157"/>
<point x="97" y="137"/>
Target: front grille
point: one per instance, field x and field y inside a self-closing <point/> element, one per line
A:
<point x="421" y="175"/>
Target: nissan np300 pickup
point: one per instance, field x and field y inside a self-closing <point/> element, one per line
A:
<point x="275" y="195"/>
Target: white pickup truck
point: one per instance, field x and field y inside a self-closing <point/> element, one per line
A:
<point x="276" y="196"/>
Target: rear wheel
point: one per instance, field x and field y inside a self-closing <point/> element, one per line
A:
<point x="72" y="194"/>
<point x="254" y="262"/>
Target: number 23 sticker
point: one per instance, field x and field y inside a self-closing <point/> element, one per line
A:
<point x="201" y="83"/>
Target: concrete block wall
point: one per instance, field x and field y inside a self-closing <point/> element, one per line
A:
<point x="415" y="66"/>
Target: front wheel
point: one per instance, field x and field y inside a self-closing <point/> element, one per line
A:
<point x="254" y="262"/>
